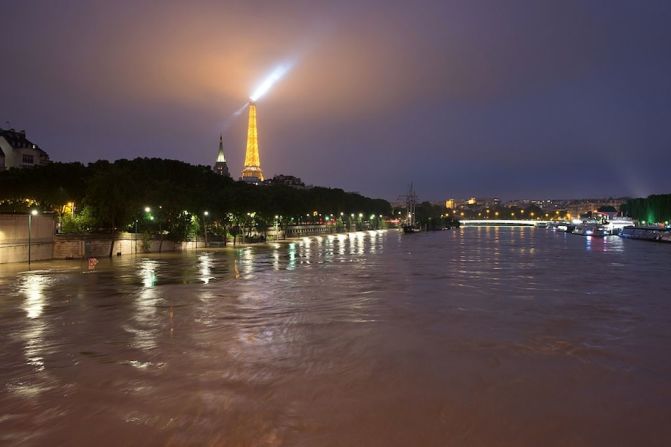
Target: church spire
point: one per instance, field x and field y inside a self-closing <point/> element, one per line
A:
<point x="221" y="167"/>
<point x="221" y="158"/>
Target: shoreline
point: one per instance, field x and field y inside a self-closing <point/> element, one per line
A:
<point x="23" y="266"/>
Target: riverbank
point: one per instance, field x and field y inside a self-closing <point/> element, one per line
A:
<point x="24" y="243"/>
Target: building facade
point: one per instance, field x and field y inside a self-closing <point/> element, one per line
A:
<point x="16" y="151"/>
<point x="286" y="180"/>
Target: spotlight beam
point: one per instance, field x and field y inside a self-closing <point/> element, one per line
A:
<point x="277" y="74"/>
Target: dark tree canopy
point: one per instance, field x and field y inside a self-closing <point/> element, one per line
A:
<point x="654" y="208"/>
<point x="115" y="194"/>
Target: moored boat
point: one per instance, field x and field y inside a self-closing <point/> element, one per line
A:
<point x="410" y="225"/>
<point x="646" y="233"/>
<point x="592" y="229"/>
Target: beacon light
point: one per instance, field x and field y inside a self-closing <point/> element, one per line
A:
<point x="270" y="80"/>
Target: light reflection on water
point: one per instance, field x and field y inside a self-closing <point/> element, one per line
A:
<point x="488" y="336"/>
<point x="32" y="287"/>
<point x="205" y="267"/>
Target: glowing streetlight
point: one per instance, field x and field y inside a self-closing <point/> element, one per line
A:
<point x="30" y="229"/>
<point x="205" y="214"/>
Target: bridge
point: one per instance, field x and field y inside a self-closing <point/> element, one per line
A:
<point x="502" y="222"/>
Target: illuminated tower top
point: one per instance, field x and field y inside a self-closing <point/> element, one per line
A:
<point x="252" y="172"/>
<point x="220" y="167"/>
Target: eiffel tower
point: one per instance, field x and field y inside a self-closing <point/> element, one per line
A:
<point x="252" y="173"/>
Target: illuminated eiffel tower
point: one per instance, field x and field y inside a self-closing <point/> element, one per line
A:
<point x="252" y="173"/>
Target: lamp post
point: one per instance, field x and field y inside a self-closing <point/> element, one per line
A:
<point x="205" y="214"/>
<point x="277" y="229"/>
<point x="30" y="230"/>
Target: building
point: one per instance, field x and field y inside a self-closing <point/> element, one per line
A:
<point x="286" y="180"/>
<point x="251" y="172"/>
<point x="16" y="151"/>
<point x="220" y="166"/>
<point x="450" y="204"/>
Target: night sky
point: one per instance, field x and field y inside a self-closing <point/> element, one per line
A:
<point x="516" y="99"/>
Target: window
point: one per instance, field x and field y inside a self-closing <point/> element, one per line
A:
<point x="28" y="159"/>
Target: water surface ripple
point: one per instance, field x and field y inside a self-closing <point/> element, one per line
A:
<point x="474" y="337"/>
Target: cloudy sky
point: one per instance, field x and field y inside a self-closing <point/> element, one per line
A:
<point x="515" y="98"/>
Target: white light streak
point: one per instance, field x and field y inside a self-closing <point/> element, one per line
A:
<point x="267" y="83"/>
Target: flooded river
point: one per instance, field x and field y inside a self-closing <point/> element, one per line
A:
<point x="474" y="337"/>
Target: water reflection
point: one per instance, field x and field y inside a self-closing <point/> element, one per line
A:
<point x="342" y="241"/>
<point x="292" y="256"/>
<point x="276" y="259"/>
<point x="32" y="287"/>
<point x="205" y="261"/>
<point x="144" y="325"/>
<point x="33" y="347"/>
<point x="247" y="262"/>
<point x="147" y="272"/>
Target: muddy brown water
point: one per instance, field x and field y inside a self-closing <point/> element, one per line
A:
<point x="474" y="337"/>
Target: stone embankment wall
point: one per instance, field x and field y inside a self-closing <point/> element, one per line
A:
<point x="46" y="244"/>
<point x="68" y="246"/>
<point x="14" y="237"/>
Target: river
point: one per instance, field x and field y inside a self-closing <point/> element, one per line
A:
<point x="472" y="337"/>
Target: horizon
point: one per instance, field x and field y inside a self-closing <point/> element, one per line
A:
<point x="390" y="200"/>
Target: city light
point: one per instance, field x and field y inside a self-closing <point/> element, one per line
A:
<point x="34" y="212"/>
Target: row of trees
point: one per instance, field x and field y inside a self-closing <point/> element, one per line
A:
<point x="654" y="208"/>
<point x="170" y="197"/>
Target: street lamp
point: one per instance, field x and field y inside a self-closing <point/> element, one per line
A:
<point x="30" y="230"/>
<point x="205" y="214"/>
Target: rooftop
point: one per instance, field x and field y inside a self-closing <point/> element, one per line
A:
<point x="17" y="139"/>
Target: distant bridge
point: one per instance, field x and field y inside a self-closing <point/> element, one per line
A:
<point x="501" y="222"/>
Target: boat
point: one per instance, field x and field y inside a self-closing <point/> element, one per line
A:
<point x="410" y="226"/>
<point x="591" y="228"/>
<point x="646" y="233"/>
